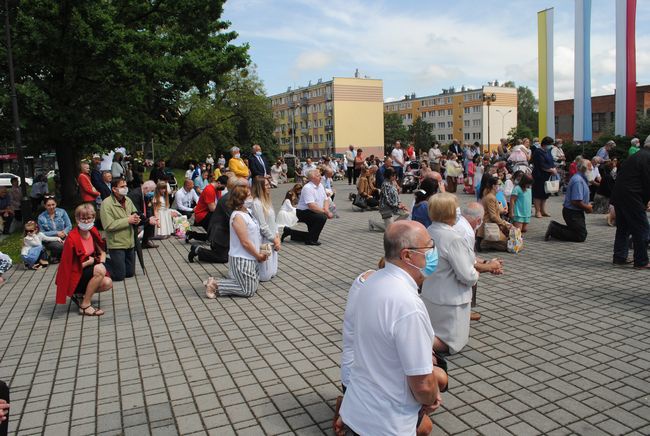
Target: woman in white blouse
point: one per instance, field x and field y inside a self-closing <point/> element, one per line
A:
<point x="262" y="210"/>
<point x="447" y="293"/>
<point x="244" y="255"/>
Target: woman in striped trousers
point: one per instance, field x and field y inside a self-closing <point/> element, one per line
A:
<point x="244" y="255"/>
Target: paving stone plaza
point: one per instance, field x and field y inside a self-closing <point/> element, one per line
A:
<point x="563" y="345"/>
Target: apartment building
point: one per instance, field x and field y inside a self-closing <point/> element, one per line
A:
<point x="464" y="115"/>
<point x="327" y="117"/>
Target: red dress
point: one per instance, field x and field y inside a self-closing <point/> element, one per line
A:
<point x="74" y="254"/>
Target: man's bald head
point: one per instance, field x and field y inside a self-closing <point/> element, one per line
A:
<point x="403" y="234"/>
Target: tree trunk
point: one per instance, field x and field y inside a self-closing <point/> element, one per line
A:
<point x="68" y="171"/>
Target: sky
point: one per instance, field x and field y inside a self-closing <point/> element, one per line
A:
<point x="425" y="46"/>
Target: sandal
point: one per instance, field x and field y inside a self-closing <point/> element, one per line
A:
<point x="43" y="262"/>
<point x="211" y="288"/>
<point x="95" y="312"/>
<point x="34" y="267"/>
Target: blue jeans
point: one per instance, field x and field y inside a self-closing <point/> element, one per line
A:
<point x="631" y="220"/>
<point x="121" y="264"/>
<point x="32" y="255"/>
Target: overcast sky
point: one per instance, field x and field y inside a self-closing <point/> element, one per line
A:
<point x="423" y="47"/>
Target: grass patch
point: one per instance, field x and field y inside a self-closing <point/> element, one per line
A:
<point x="11" y="246"/>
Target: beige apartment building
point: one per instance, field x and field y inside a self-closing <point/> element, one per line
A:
<point x="466" y="114"/>
<point x="327" y="117"/>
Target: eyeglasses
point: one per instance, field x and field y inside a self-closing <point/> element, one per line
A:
<point x="433" y="245"/>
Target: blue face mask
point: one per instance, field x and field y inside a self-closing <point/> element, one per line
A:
<point x="431" y="259"/>
<point x="258" y="153"/>
<point x="549" y="147"/>
<point x="149" y="195"/>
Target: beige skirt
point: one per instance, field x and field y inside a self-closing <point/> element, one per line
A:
<point x="450" y="324"/>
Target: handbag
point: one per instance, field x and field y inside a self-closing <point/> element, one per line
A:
<point x="552" y="185"/>
<point x="493" y="232"/>
<point x="515" y="241"/>
<point x="360" y="202"/>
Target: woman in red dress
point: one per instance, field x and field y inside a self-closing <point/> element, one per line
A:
<point x="82" y="270"/>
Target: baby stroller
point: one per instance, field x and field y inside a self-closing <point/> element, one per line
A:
<point x="411" y="179"/>
<point x="171" y="180"/>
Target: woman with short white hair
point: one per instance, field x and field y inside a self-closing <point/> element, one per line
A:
<point x="447" y="293"/>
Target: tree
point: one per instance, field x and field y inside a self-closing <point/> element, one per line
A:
<point x="99" y="74"/>
<point x="519" y="132"/>
<point x="420" y="132"/>
<point x="527" y="113"/>
<point x="394" y="130"/>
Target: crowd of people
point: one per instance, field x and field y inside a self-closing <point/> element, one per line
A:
<point x="393" y="367"/>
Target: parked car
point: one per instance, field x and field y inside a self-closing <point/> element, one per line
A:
<point x="5" y="179"/>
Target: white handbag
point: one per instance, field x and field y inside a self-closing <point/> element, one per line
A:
<point x="552" y="185"/>
<point x="492" y="232"/>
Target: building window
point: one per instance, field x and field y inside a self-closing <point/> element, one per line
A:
<point x="476" y="135"/>
<point x="448" y="101"/>
<point x="449" y="112"/>
<point x="450" y="124"/>
<point x="466" y="110"/>
<point x="441" y="137"/>
<point x="450" y="137"/>
<point x="409" y="116"/>
<point x="466" y="136"/>
<point x="476" y="109"/>
<point x="466" y="124"/>
<point x="441" y="125"/>
<point x="476" y="123"/>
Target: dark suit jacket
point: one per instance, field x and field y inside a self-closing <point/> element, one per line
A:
<point x="219" y="227"/>
<point x="138" y="201"/>
<point x="257" y="167"/>
<point x="455" y="148"/>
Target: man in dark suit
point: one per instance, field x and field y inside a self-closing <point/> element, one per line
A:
<point x="258" y="164"/>
<point x="455" y="148"/>
<point x="142" y="198"/>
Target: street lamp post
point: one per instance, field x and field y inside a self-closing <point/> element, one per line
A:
<point x="488" y="99"/>
<point x="503" y="116"/>
<point x="25" y="204"/>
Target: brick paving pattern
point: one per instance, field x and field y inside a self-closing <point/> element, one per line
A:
<point x="562" y="347"/>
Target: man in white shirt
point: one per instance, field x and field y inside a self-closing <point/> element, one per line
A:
<point x="186" y="198"/>
<point x="350" y="154"/>
<point x="309" y="165"/>
<point x="392" y="377"/>
<point x="470" y="218"/>
<point x="313" y="209"/>
<point x="397" y="156"/>
<point x="209" y="160"/>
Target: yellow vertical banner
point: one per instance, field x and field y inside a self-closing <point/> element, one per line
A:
<point x="545" y="73"/>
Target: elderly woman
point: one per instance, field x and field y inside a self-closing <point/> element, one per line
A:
<point x="54" y="221"/>
<point x="244" y="255"/>
<point x="262" y="210"/>
<point x="82" y="269"/>
<point x="447" y="293"/>
<point x="543" y="169"/>
<point x="488" y="197"/>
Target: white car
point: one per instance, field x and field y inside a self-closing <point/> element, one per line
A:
<point x="5" y="179"/>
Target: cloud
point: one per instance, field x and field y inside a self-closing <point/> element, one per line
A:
<point x="312" y="61"/>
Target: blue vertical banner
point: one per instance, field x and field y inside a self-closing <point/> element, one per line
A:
<point x="582" y="127"/>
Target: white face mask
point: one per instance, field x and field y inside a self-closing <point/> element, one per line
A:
<point x="237" y="156"/>
<point x="123" y="191"/>
<point x="86" y="226"/>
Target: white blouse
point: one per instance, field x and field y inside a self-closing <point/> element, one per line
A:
<point x="253" y="230"/>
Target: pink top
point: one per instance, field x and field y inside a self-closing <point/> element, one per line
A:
<point x="89" y="246"/>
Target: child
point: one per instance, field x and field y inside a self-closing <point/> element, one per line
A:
<point x="520" y="203"/>
<point x="32" y="252"/>
<point x="5" y="264"/>
<point x="471" y="171"/>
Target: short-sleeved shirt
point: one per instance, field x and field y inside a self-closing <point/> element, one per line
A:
<point x="420" y="213"/>
<point x="522" y="207"/>
<point x="311" y="194"/>
<point x="578" y="189"/>
<point x="208" y="196"/>
<point x="603" y="153"/>
<point x="398" y="156"/>
<point x="393" y="340"/>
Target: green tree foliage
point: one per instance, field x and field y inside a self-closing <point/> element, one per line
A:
<point x="394" y="130"/>
<point x="100" y="73"/>
<point x="420" y="132"/>
<point x="519" y="132"/>
<point x="527" y="112"/>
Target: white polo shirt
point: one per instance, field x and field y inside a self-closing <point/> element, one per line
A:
<point x="347" y="356"/>
<point x="311" y="194"/>
<point x="393" y="339"/>
<point x="398" y="156"/>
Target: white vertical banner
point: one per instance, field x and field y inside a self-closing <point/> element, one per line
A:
<point x="621" y="67"/>
<point x="582" y="127"/>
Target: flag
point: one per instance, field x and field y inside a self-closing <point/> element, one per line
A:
<point x="625" y="114"/>
<point x="545" y="69"/>
<point x="582" y="79"/>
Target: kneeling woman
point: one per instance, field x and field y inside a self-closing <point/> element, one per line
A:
<point x="244" y="256"/>
<point x="82" y="270"/>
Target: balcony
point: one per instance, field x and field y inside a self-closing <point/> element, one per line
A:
<point x="304" y="101"/>
<point x="304" y="130"/>
<point x="329" y="143"/>
<point x="329" y="128"/>
<point x="329" y="112"/>
<point x="328" y="96"/>
<point x="291" y="104"/>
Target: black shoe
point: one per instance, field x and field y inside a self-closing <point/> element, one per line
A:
<point x="622" y="262"/>
<point x="547" y="235"/>
<point x="192" y="254"/>
<point x="312" y="243"/>
<point x="187" y="237"/>
<point x="285" y="232"/>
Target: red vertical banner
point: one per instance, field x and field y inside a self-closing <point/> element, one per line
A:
<point x="630" y="35"/>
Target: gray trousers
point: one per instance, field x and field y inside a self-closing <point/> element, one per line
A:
<point x="244" y="278"/>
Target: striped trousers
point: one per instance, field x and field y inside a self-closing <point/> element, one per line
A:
<point x="244" y="278"/>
